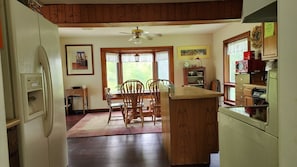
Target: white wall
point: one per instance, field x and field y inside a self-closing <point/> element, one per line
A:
<point x="227" y="32"/>
<point x="94" y="83"/>
<point x="287" y="51"/>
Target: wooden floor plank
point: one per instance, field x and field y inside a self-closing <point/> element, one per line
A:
<point x="141" y="150"/>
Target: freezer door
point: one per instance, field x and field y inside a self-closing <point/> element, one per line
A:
<point x="29" y="30"/>
<point x="23" y="43"/>
<point x="57" y="142"/>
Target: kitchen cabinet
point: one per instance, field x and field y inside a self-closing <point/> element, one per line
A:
<point x="194" y="76"/>
<point x="269" y="41"/>
<point x="189" y="124"/>
<point x="246" y="78"/>
<point x="240" y="79"/>
<point x="13" y="141"/>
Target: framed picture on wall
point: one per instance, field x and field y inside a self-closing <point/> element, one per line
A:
<point x="192" y="52"/>
<point x="79" y="59"/>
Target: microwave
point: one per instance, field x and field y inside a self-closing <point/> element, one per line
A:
<point x="245" y="66"/>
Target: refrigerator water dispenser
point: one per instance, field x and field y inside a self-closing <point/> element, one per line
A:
<point x="33" y="95"/>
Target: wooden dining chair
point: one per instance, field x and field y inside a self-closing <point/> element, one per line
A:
<point x="113" y="106"/>
<point x="155" y="102"/>
<point x="148" y="82"/>
<point x="132" y="92"/>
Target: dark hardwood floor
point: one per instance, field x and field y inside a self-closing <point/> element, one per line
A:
<point x="141" y="150"/>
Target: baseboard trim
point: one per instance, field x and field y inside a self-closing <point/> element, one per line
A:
<point x="89" y="111"/>
<point x="97" y="110"/>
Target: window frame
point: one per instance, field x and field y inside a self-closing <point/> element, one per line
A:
<point x="226" y="61"/>
<point x="135" y="50"/>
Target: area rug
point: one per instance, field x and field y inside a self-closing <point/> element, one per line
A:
<point x="95" y="124"/>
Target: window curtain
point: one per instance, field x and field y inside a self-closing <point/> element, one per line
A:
<point x="237" y="48"/>
<point x="143" y="57"/>
<point x="161" y="56"/>
<point x="235" y="53"/>
<point x="163" y="65"/>
<point x="112" y="57"/>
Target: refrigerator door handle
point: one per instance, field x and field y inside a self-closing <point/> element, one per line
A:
<point x="48" y="118"/>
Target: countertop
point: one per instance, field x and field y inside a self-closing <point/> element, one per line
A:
<point x="254" y="86"/>
<point x="193" y="93"/>
<point x="240" y="113"/>
<point x="12" y="123"/>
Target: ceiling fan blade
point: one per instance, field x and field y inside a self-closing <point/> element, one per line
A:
<point x="126" y="33"/>
<point x="158" y="34"/>
<point x="148" y="37"/>
<point x="152" y="34"/>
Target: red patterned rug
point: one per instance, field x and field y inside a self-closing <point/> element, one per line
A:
<point x="95" y="124"/>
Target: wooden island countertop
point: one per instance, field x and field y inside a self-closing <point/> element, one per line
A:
<point x="193" y="93"/>
<point x="189" y="124"/>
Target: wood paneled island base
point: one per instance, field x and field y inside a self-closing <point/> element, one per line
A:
<point x="190" y="127"/>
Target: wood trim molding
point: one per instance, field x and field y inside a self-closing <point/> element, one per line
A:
<point x="103" y="52"/>
<point x="100" y="14"/>
<point x="226" y="62"/>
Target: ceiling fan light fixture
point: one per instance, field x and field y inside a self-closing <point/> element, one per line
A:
<point x="137" y="41"/>
<point x="138" y="35"/>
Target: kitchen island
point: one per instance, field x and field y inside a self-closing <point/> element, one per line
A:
<point x="189" y="124"/>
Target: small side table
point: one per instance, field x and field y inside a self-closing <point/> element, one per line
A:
<point x="82" y="92"/>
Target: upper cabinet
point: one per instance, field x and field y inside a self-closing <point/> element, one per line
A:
<point x="269" y="41"/>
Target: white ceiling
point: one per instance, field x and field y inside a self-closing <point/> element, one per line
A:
<point x="120" y="31"/>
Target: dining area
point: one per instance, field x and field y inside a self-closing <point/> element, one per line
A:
<point x="137" y="100"/>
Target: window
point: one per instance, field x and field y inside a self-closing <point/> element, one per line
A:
<point x="140" y="69"/>
<point x="119" y="65"/>
<point x="233" y="51"/>
<point x="112" y="61"/>
<point x="162" y="65"/>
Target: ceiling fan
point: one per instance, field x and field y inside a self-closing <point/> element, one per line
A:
<point x="138" y="35"/>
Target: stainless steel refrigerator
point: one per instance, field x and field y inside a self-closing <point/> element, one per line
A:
<point x="36" y="79"/>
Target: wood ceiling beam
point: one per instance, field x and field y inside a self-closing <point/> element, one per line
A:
<point x="65" y="15"/>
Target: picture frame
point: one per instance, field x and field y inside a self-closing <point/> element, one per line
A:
<point x="193" y="52"/>
<point x="79" y="59"/>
